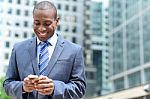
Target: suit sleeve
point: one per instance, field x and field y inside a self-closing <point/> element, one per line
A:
<point x="12" y="83"/>
<point x="75" y="88"/>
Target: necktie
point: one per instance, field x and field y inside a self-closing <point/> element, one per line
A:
<point x="43" y="57"/>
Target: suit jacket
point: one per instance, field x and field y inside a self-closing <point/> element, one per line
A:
<point x="65" y="68"/>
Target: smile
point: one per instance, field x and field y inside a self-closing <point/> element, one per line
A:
<point x="43" y="34"/>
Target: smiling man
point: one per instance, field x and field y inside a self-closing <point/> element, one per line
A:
<point x="46" y="66"/>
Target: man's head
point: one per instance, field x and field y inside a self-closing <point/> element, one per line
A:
<point x="45" y="20"/>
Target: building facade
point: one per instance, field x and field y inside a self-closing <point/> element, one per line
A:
<point x="129" y="25"/>
<point x="96" y="45"/>
<point x="15" y="25"/>
<point x="130" y="57"/>
<point x="100" y="46"/>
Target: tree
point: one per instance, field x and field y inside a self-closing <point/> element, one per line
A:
<point x="2" y="92"/>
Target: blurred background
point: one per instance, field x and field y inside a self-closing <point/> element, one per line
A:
<point x="115" y="36"/>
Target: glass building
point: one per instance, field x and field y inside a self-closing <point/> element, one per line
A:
<point x="96" y="45"/>
<point x="100" y="46"/>
<point x="129" y="30"/>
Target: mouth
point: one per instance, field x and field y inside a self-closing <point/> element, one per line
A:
<point x="42" y="34"/>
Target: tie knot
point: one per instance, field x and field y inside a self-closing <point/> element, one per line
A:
<point x="44" y="43"/>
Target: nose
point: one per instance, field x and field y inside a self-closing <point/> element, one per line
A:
<point x="41" y="28"/>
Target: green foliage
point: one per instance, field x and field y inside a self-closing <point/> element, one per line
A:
<point x="2" y="92"/>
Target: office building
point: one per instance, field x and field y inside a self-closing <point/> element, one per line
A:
<point x="100" y="46"/>
<point x="15" y="25"/>
<point x="129" y="29"/>
<point x="96" y="45"/>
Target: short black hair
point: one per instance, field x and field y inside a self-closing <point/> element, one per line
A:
<point x="44" y="5"/>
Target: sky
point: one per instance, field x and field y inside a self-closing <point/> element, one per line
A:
<point x="104" y="1"/>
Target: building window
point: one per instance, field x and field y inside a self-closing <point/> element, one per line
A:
<point x="74" y="40"/>
<point x="67" y="8"/>
<point x="10" y="1"/>
<point x="90" y="75"/>
<point x="34" y="3"/>
<point x="74" y="30"/>
<point x="17" y="24"/>
<point x="134" y="79"/>
<point x="26" y="13"/>
<point x="65" y="28"/>
<point x="59" y="27"/>
<point x="9" y="11"/>
<point x="16" y="35"/>
<point x="59" y="6"/>
<point x="6" y="57"/>
<point x="25" y="24"/>
<point x="119" y="84"/>
<point x="33" y="35"/>
<point x="27" y="2"/>
<point x="7" y="44"/>
<point x="147" y="75"/>
<point x="25" y="35"/>
<point x="18" y="1"/>
<point x="74" y="9"/>
<point x="18" y="12"/>
<point x="8" y="22"/>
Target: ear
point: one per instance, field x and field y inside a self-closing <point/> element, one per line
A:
<point x="57" y="20"/>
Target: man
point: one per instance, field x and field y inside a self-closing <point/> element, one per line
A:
<point x="46" y="66"/>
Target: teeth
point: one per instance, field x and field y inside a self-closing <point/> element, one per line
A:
<point x="42" y="34"/>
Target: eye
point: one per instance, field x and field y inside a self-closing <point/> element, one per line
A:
<point x="36" y="23"/>
<point x="47" y="23"/>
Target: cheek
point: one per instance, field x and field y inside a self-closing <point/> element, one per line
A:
<point x="35" y="29"/>
<point x="51" y="28"/>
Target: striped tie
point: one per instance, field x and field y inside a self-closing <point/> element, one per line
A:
<point x="43" y="57"/>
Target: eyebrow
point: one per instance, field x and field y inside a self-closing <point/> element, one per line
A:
<point x="45" y="20"/>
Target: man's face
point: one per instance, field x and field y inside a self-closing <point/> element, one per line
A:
<point x="44" y="23"/>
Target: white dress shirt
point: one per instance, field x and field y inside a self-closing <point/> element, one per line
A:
<point x="51" y="47"/>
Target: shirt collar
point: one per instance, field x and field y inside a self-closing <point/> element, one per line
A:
<point x="51" y="40"/>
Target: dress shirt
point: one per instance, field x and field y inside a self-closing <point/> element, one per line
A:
<point x="51" y="47"/>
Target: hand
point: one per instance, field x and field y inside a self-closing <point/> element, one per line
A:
<point x="45" y="85"/>
<point x="30" y="83"/>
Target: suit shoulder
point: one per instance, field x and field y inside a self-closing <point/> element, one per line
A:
<point x="23" y="44"/>
<point x="73" y="45"/>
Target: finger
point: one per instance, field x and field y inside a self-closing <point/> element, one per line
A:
<point x="45" y="92"/>
<point x="42" y="86"/>
<point x="41" y="92"/>
<point x="26" y="79"/>
<point x="45" y="81"/>
<point x="41" y="77"/>
<point x="48" y="89"/>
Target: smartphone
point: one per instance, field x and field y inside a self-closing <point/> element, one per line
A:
<point x="33" y="78"/>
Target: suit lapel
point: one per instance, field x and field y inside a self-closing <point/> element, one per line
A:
<point x="57" y="51"/>
<point x="33" y="54"/>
